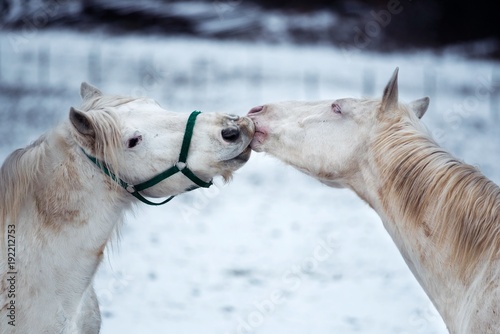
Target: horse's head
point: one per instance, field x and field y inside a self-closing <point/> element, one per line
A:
<point x="329" y="139"/>
<point x="137" y="140"/>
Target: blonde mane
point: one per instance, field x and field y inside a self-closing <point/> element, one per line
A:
<point x="427" y="184"/>
<point x="17" y="175"/>
<point x="21" y="168"/>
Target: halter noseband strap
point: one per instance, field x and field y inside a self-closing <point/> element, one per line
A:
<point x="180" y="166"/>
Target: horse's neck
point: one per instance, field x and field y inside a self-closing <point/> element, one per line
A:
<point x="87" y="194"/>
<point x="74" y="212"/>
<point x="390" y="184"/>
<point x="73" y="198"/>
<point x="413" y="242"/>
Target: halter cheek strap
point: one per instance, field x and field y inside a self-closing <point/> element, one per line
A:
<point x="180" y="166"/>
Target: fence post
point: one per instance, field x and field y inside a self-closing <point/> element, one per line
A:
<point x="43" y="66"/>
<point x="368" y="88"/>
<point x="311" y="85"/>
<point x="430" y="85"/>
<point x="144" y="76"/>
<point x="495" y="89"/>
<point x="254" y="82"/>
<point x="1" y="49"/>
<point x="199" y="79"/>
<point x="94" y="65"/>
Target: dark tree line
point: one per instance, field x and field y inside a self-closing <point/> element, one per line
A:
<point x="420" y="23"/>
<point x="423" y="22"/>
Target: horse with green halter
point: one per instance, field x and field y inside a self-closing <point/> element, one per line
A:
<point x="180" y="166"/>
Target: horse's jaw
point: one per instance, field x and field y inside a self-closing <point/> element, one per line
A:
<point x="333" y="184"/>
<point x="238" y="161"/>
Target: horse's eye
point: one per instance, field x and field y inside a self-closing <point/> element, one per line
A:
<point x="336" y="108"/>
<point x="132" y="142"/>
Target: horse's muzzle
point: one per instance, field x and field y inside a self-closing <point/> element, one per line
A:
<point x="238" y="128"/>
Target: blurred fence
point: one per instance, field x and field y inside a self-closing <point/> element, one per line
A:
<point x="201" y="80"/>
<point x="183" y="76"/>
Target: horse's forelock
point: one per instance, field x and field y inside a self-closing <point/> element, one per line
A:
<point x="108" y="139"/>
<point x="105" y="101"/>
<point x="107" y="127"/>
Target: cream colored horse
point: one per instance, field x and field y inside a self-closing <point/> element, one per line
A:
<point x="58" y="209"/>
<point x="443" y="215"/>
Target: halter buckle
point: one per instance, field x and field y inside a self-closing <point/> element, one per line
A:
<point x="130" y="188"/>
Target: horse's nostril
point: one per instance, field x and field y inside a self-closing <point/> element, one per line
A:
<point x="230" y="134"/>
<point x="255" y="110"/>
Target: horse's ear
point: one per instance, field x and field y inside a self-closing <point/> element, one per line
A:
<point x="420" y="106"/>
<point x="390" y="97"/>
<point x="81" y="122"/>
<point x="87" y="91"/>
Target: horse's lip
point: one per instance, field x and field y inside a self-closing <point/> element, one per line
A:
<point x="260" y="132"/>
<point x="258" y="139"/>
<point x="243" y="156"/>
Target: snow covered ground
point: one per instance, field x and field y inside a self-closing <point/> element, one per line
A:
<point x="273" y="251"/>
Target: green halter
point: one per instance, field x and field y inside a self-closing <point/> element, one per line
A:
<point x="180" y="166"/>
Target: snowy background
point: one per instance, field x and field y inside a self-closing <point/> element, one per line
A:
<point x="273" y="251"/>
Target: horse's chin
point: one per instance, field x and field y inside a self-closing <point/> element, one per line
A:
<point x="233" y="164"/>
<point x="239" y="160"/>
<point x="244" y="156"/>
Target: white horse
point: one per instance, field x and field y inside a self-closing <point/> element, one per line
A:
<point x="443" y="215"/>
<point x="63" y="197"/>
